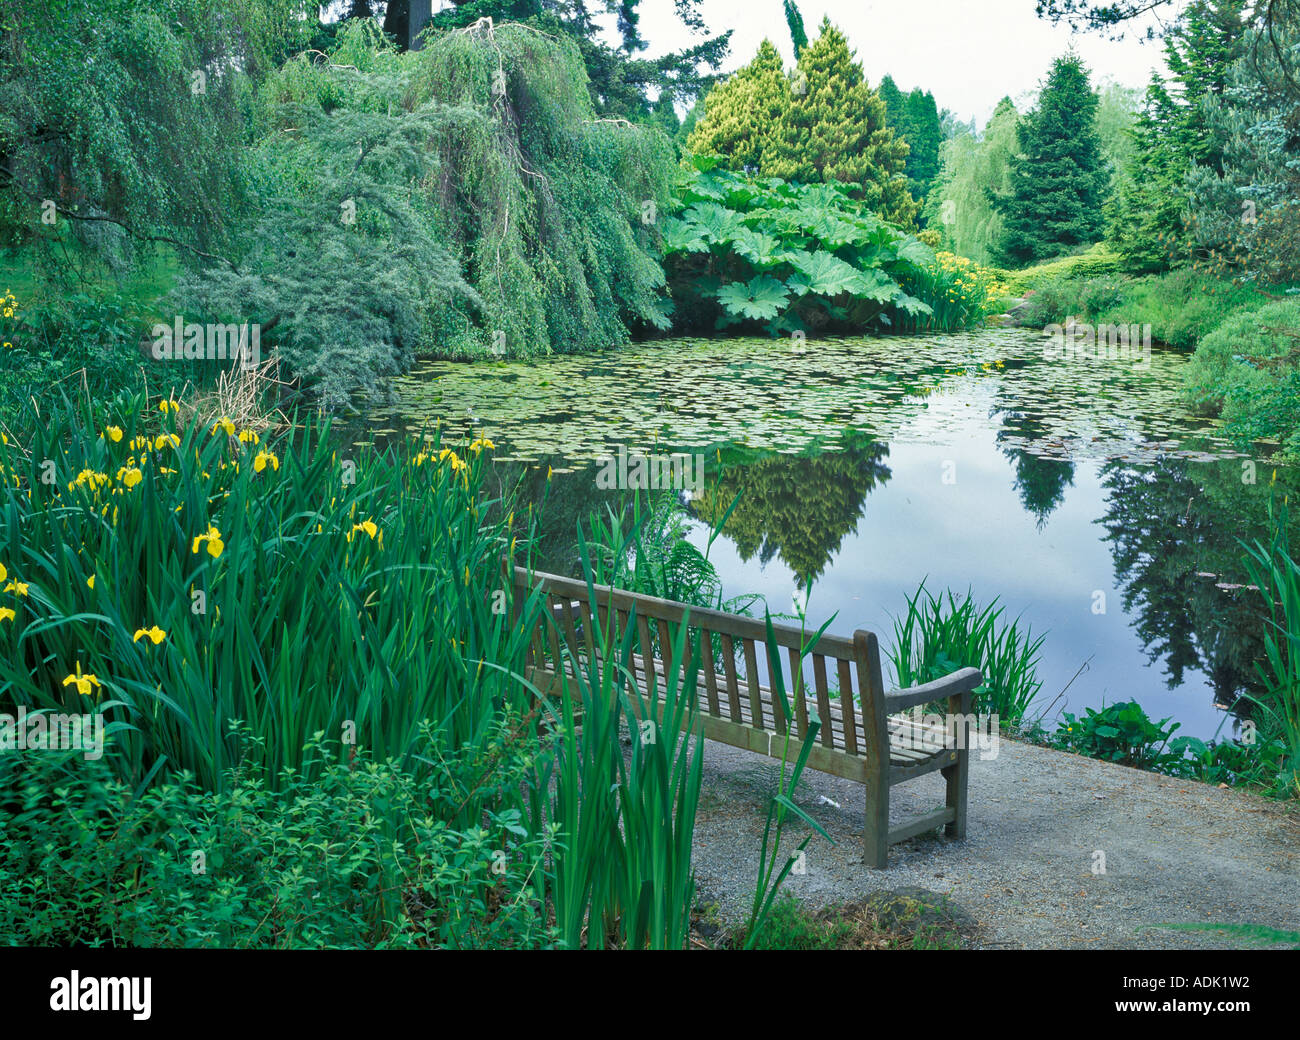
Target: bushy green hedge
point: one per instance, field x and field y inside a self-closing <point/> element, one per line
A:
<point x="1093" y="263"/>
<point x="1181" y="307"/>
<point x="1248" y="371"/>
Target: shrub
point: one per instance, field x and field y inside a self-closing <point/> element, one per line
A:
<point x="1247" y="371"/>
<point x="939" y="635"/>
<point x="1181" y="307"/>
<point x="785" y="257"/>
<point x="85" y="341"/>
<point x="1121" y="733"/>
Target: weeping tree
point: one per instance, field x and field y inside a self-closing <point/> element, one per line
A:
<point x="976" y="168"/>
<point x="121" y="122"/>
<point x="462" y="200"/>
<point x="620" y="80"/>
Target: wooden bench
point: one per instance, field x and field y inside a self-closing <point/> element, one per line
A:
<point x="860" y="743"/>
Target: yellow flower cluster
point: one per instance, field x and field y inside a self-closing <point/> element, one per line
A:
<point x="8" y="309"/>
<point x="973" y="285"/>
<point x="18" y="588"/>
<point x="91" y="479"/>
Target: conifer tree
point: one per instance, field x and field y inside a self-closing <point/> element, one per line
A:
<point x="1148" y="225"/>
<point x="1058" y="176"/>
<point x="835" y="130"/>
<point x="798" y="36"/>
<point x="823" y="123"/>
<point x="741" y="112"/>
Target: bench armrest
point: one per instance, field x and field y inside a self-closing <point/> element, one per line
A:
<point x="958" y="684"/>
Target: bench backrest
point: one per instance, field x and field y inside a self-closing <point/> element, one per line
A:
<point x="834" y="674"/>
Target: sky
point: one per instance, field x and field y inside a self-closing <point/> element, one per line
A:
<point x="968" y="53"/>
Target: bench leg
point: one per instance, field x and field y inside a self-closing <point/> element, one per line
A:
<point x="956" y="775"/>
<point x="875" y="839"/>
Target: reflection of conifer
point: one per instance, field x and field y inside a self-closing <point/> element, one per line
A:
<point x="797" y="507"/>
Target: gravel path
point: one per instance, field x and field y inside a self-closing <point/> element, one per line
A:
<point x="1175" y="851"/>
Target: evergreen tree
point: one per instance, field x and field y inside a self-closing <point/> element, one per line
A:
<point x="1058" y="177"/>
<point x="798" y="36"/>
<point x="741" y="112"/>
<point x="1246" y="214"/>
<point x="822" y="124"/>
<point x="835" y="130"/>
<point x="1148" y="225"/>
<point x="923" y="142"/>
<point x="896" y="112"/>
<point x="914" y="118"/>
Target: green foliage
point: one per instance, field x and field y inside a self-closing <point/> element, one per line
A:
<point x="790" y="926"/>
<point x="453" y="201"/>
<point x="1120" y="733"/>
<point x="358" y="856"/>
<point x="1057" y="176"/>
<point x="386" y="564"/>
<point x="623" y="874"/>
<point x="794" y="21"/>
<point x="100" y="112"/>
<point x="84" y="342"/>
<point x="1247" y="371"/>
<point x="769" y="880"/>
<point x="938" y="636"/>
<point x="824" y="124"/>
<point x="1094" y="262"/>
<point x="1273" y="569"/>
<point x="620" y="82"/>
<point x="792" y="257"/>
<point x="1232" y="762"/>
<point x="914" y="118"/>
<point x="974" y="169"/>
<point x="1245" y="208"/>
<point x="1149" y="220"/>
<point x="1182" y="307"/>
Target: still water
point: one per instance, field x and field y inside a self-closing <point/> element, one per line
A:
<point x="1081" y="493"/>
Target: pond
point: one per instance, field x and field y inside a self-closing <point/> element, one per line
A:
<point x="1080" y="492"/>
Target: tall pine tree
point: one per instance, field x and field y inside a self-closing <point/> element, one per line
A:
<point x="798" y="36"/>
<point x="1058" y="176"/>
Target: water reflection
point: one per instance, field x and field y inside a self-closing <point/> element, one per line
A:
<point x="1174" y="530"/>
<point x="797" y="508"/>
